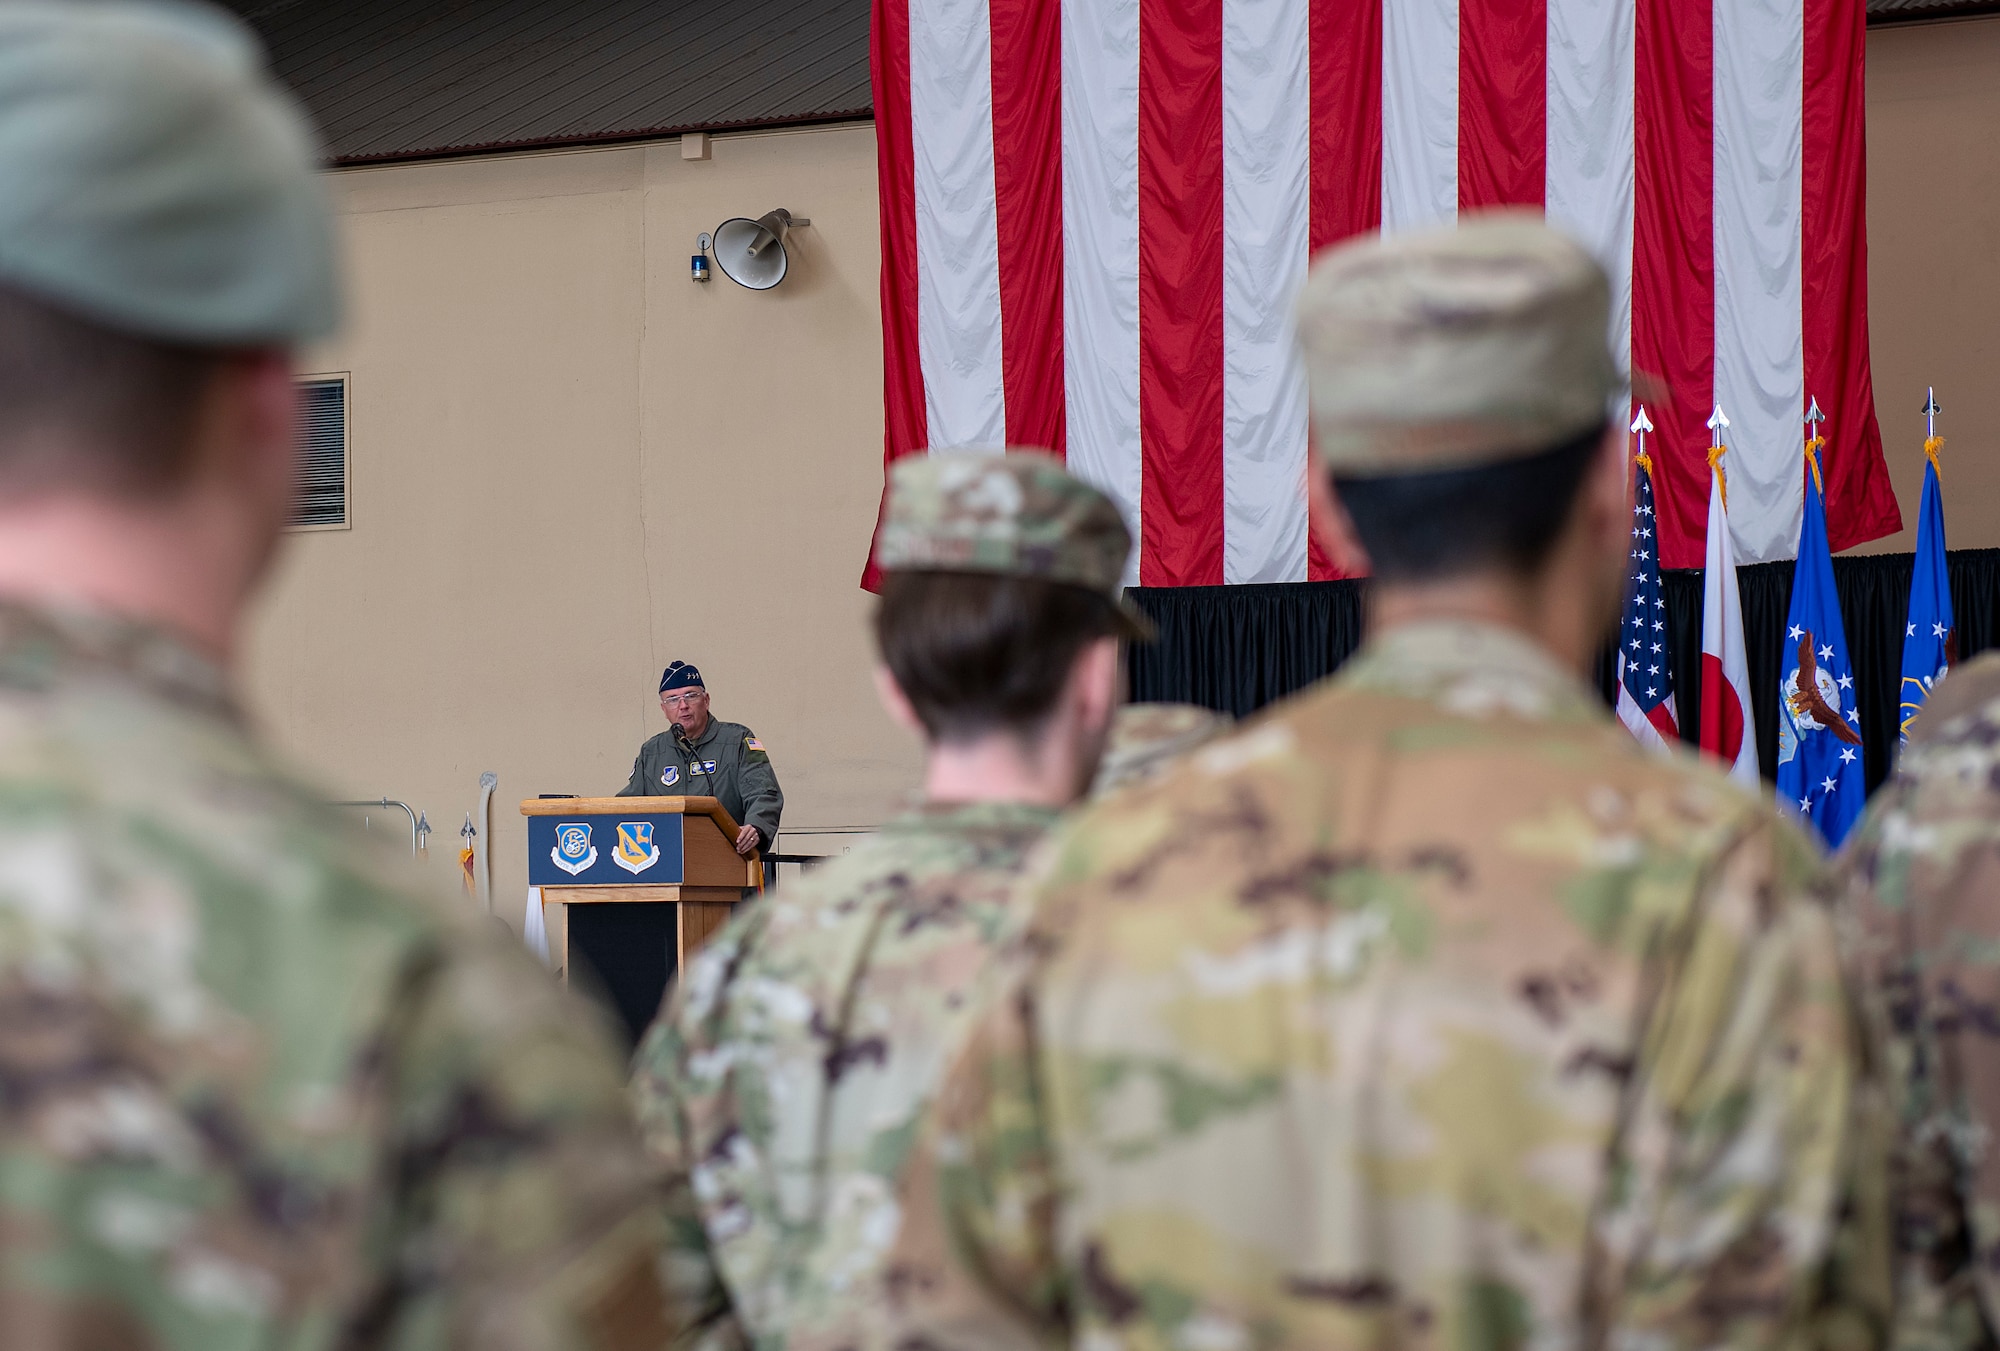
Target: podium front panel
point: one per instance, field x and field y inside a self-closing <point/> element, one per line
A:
<point x="590" y="849"/>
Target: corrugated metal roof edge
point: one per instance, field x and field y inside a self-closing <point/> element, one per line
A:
<point x="1884" y="18"/>
<point x="588" y="138"/>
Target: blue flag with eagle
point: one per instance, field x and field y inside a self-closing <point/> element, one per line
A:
<point x="1821" y="773"/>
<point x="1929" y="634"/>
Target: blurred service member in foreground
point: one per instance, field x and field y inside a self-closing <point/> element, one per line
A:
<point x="255" y="1093"/>
<point x="1922" y="875"/>
<point x="784" y="1081"/>
<point x="1427" y="1009"/>
<point x="1146" y="739"/>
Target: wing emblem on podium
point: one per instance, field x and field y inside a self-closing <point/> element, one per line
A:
<point x="573" y="852"/>
<point x="636" y="851"/>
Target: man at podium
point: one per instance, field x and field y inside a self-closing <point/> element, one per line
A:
<point x="700" y="756"/>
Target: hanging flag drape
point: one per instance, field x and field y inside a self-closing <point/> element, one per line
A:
<point x="1728" y="731"/>
<point x="1645" y="667"/>
<point x="1095" y="215"/>
<point x="1929" y="635"/>
<point x="1821" y="773"/>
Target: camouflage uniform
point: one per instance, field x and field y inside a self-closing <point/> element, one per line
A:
<point x="785" y="1080"/>
<point x="1920" y="873"/>
<point x="254" y="1092"/>
<point x="1147" y="738"/>
<point x="1427" y="1011"/>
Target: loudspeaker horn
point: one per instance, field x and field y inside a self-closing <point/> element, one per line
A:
<point x="752" y="252"/>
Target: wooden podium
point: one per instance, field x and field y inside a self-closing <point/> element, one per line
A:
<point x="603" y="850"/>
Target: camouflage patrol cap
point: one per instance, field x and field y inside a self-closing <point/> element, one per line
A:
<point x="1452" y="348"/>
<point x="1016" y="515"/>
<point x="155" y="179"/>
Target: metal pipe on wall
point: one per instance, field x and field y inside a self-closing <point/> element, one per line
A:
<point x="487" y="783"/>
<point x="408" y="810"/>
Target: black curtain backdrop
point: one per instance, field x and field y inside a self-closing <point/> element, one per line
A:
<point x="1237" y="648"/>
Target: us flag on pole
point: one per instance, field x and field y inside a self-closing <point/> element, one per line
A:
<point x="1645" y="678"/>
<point x="1096" y="215"/>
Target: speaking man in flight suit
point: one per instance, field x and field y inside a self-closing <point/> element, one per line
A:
<point x="699" y="756"/>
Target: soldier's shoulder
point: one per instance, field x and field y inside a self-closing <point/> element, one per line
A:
<point x="131" y="809"/>
<point x="934" y="876"/>
<point x="1943" y="800"/>
<point x="1964" y="706"/>
<point x="1575" y="792"/>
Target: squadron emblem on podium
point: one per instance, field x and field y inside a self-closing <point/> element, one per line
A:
<point x="635" y="851"/>
<point x="573" y="852"/>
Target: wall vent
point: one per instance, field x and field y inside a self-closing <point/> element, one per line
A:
<point x="322" y="496"/>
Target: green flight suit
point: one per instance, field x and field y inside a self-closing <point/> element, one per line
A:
<point x="728" y="765"/>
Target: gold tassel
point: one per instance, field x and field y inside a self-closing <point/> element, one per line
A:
<point x="1812" y="458"/>
<point x="1932" y="445"/>
<point x="1715" y="454"/>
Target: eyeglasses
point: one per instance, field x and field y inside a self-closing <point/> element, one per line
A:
<point x="683" y="699"/>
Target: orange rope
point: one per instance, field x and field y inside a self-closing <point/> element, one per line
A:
<point x="1715" y="454"/>
<point x="1812" y="458"/>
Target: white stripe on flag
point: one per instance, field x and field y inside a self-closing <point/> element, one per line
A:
<point x="958" y="242"/>
<point x="1100" y="178"/>
<point x="1759" y="350"/>
<point x="1266" y="220"/>
<point x="1419" y="113"/>
<point x="1591" y="151"/>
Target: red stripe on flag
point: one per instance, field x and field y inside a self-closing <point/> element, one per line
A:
<point x="1027" y="187"/>
<point x="1346" y="149"/>
<point x="1180" y="292"/>
<point x="1502" y="102"/>
<point x="1860" y="504"/>
<point x="904" y="426"/>
<point x="1673" y="262"/>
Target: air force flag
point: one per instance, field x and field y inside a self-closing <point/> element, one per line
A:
<point x="1928" y="634"/>
<point x="1820" y="769"/>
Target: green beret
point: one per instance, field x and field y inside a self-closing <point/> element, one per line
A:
<point x="154" y="178"/>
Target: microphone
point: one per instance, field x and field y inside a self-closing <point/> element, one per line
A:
<point x="687" y="749"/>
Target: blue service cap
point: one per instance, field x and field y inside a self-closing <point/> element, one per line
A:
<point x="679" y="676"/>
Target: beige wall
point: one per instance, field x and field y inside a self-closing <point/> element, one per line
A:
<point x="570" y="465"/>
<point x="1934" y="262"/>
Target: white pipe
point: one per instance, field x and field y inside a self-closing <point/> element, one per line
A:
<point x="487" y="783"/>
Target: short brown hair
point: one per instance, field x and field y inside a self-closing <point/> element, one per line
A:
<point x="1507" y="516"/>
<point x="977" y="653"/>
<point x="84" y="405"/>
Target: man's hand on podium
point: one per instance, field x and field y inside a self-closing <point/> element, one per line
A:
<point x="746" y="841"/>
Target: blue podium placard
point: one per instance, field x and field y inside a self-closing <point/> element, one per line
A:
<point x="594" y="849"/>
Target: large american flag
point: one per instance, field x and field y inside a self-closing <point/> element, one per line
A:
<point x="1096" y="213"/>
